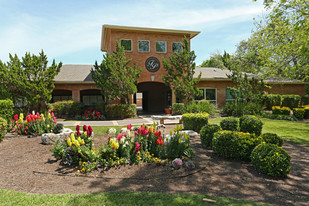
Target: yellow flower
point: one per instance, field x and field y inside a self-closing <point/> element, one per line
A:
<point x="48" y="115"/>
<point x="21" y="116"/>
<point x="78" y="171"/>
<point x="179" y="140"/>
<point x="83" y="170"/>
<point x="151" y="130"/>
<point x="69" y="142"/>
<point x="84" y="163"/>
<point x="48" y="126"/>
<point x="147" y="152"/>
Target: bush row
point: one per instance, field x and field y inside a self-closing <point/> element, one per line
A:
<point x="238" y="109"/>
<point x="289" y="100"/>
<point x="3" y="128"/>
<point x="202" y="106"/>
<point x="194" y="121"/>
<point x="299" y="113"/>
<point x="6" y="109"/>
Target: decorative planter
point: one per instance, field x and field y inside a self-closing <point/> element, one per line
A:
<point x="168" y="111"/>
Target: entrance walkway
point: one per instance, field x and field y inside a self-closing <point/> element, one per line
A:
<point x="142" y="119"/>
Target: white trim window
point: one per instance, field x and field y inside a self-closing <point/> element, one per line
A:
<point x="143" y="46"/>
<point x="177" y="47"/>
<point x="161" y="46"/>
<point x="127" y="44"/>
<point x="209" y="94"/>
<point x="90" y="100"/>
<point x="228" y="96"/>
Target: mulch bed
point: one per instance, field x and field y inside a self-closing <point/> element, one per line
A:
<point x="27" y="165"/>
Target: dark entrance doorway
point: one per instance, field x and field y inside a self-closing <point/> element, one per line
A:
<point x="156" y="96"/>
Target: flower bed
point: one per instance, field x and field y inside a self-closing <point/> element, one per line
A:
<point x="134" y="146"/>
<point x="34" y="124"/>
<point x="92" y="115"/>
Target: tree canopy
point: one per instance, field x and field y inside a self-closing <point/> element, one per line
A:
<point x="180" y="70"/>
<point x="29" y="79"/>
<point x="115" y="77"/>
<point x="219" y="61"/>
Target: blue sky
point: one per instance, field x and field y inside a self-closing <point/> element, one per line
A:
<point x="70" y="30"/>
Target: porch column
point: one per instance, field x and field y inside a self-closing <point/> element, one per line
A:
<point x="131" y="99"/>
<point x="76" y="95"/>
<point x="173" y="97"/>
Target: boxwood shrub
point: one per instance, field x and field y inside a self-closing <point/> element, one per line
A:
<point x="306" y="114"/>
<point x="195" y="121"/>
<point x="272" y="138"/>
<point x="281" y="110"/>
<point x="68" y="108"/>
<point x="251" y="124"/>
<point x="305" y="99"/>
<point x="271" y="160"/>
<point x="271" y="100"/>
<point x="3" y="128"/>
<point x="207" y="133"/>
<point x="178" y="108"/>
<point x="234" y="145"/>
<point x="291" y="100"/>
<point x="120" y="111"/>
<point x="6" y="109"/>
<point x="299" y="113"/>
<point x="230" y="123"/>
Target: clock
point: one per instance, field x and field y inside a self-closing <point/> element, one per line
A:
<point x="152" y="64"/>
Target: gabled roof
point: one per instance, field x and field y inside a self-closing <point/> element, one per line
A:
<point x="211" y="73"/>
<point x="106" y="29"/>
<point x="74" y="73"/>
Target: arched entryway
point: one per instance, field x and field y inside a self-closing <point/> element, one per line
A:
<point x="61" y="95"/>
<point x="155" y="96"/>
<point x="90" y="97"/>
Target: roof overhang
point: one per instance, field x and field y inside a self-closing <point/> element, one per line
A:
<point x="106" y="30"/>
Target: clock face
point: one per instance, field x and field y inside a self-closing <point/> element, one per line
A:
<point x="152" y="64"/>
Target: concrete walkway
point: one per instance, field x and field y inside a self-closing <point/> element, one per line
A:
<point x="147" y="119"/>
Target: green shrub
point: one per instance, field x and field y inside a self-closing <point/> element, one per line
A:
<point x="234" y="145"/>
<point x="299" y="113"/>
<point x="305" y="99"/>
<point x="207" y="133"/>
<point x="230" y="123"/>
<point x="238" y="109"/>
<point x="120" y="111"/>
<point x="192" y="107"/>
<point x="281" y="110"/>
<point x="202" y="106"/>
<point x="306" y="114"/>
<point x="3" y="128"/>
<point x="250" y="124"/>
<point x="278" y="116"/>
<point x="194" y="121"/>
<point x="70" y="108"/>
<point x="57" y="128"/>
<point x="271" y="100"/>
<point x="6" y="109"/>
<point x="271" y="160"/>
<point x="100" y="107"/>
<point x="272" y="138"/>
<point x="178" y="108"/>
<point x="291" y="100"/>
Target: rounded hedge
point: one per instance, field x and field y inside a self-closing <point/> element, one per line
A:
<point x="195" y="121"/>
<point x="3" y="128"/>
<point x="271" y="160"/>
<point x="250" y="124"/>
<point x="207" y="133"/>
<point x="272" y="138"/>
<point x="230" y="123"/>
<point x="178" y="108"/>
<point x="234" y="145"/>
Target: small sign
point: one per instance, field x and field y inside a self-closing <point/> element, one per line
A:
<point x="152" y="64"/>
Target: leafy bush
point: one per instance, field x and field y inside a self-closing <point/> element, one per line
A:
<point x="178" y="108"/>
<point x="238" y="109"/>
<point x="70" y="108"/>
<point x="57" y="128"/>
<point x="194" y="121"/>
<point x="271" y="100"/>
<point x="281" y="110"/>
<point x="6" y="109"/>
<point x="207" y="133"/>
<point x="100" y="107"/>
<point x="250" y="124"/>
<point x="271" y="160"/>
<point x="202" y="106"/>
<point x="272" y="138"/>
<point x="3" y="128"/>
<point x="305" y="99"/>
<point x="291" y="100"/>
<point x="299" y="113"/>
<point x="234" y="145"/>
<point x="306" y="114"/>
<point x="278" y="116"/>
<point x="120" y="111"/>
<point x="230" y="123"/>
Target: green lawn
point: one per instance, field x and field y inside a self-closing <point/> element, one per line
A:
<point x="288" y="130"/>
<point x="9" y="197"/>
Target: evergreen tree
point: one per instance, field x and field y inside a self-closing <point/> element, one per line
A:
<point x="180" y="70"/>
<point x="115" y="77"/>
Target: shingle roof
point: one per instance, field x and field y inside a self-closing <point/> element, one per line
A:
<point x="81" y="74"/>
<point x="74" y="73"/>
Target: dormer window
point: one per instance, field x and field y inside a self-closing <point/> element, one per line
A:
<point x="127" y="44"/>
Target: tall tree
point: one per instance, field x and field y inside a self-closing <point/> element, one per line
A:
<point x="180" y="70"/>
<point x="219" y="61"/>
<point x="279" y="46"/>
<point x="115" y="77"/>
<point x="30" y="79"/>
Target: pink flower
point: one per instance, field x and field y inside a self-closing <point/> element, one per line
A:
<point x="119" y="136"/>
<point x="137" y="146"/>
<point x="16" y="117"/>
<point x="108" y="137"/>
<point x="77" y="127"/>
<point x="52" y="114"/>
<point x="12" y="121"/>
<point x="78" y="133"/>
<point x="129" y="127"/>
<point x="49" y="111"/>
<point x="84" y="128"/>
<point x="19" y="131"/>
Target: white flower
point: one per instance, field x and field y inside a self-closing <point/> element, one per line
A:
<point x="112" y="131"/>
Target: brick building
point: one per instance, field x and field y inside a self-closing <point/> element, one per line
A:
<point x="146" y="47"/>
